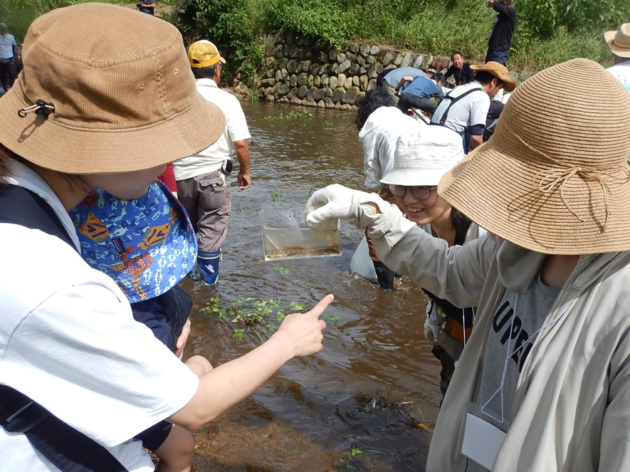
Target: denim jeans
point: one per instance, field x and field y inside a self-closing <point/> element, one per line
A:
<point x="498" y="55"/>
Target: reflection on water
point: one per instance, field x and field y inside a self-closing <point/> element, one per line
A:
<point x="369" y="400"/>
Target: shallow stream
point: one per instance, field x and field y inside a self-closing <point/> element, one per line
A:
<point x="369" y="400"/>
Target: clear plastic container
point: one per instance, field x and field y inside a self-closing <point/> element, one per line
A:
<point x="286" y="235"/>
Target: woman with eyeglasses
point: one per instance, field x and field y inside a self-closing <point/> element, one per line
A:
<point x="419" y="164"/>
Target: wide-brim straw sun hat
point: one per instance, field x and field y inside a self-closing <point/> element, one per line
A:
<point x="554" y="177"/>
<point x="422" y="158"/>
<point x="499" y="71"/>
<point x="618" y="41"/>
<point x="105" y="89"/>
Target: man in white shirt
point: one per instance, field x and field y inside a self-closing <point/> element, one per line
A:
<point x="8" y="55"/>
<point x="203" y="180"/>
<point x="464" y="110"/>
<point x="619" y="44"/>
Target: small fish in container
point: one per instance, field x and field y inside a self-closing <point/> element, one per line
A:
<point x="286" y="235"/>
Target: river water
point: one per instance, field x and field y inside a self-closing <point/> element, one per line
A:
<point x="369" y="400"/>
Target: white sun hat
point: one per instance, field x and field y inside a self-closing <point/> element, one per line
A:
<point x="422" y="158"/>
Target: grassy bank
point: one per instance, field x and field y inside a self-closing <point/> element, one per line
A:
<point x="548" y="32"/>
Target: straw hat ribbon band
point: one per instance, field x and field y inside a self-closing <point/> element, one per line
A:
<point x="547" y="181"/>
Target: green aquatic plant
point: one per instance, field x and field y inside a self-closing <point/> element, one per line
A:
<point x="254" y="316"/>
<point x="277" y="196"/>
<point x="292" y="115"/>
<point x="284" y="273"/>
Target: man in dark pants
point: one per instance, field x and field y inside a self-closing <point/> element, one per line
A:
<point x="8" y="55"/>
<point x="501" y="35"/>
<point x="146" y="6"/>
<point x="420" y="92"/>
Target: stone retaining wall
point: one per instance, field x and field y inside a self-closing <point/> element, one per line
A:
<point x="300" y="70"/>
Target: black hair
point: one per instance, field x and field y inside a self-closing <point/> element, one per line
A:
<point x="485" y="77"/>
<point x="5" y="155"/>
<point x="375" y="98"/>
<point x="508" y="2"/>
<point x="75" y="181"/>
<point x="206" y="72"/>
<point x="438" y="77"/>
<point x="456" y="52"/>
<point x="461" y="223"/>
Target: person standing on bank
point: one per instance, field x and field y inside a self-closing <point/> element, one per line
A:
<point x="460" y="70"/>
<point x="78" y="376"/>
<point x="501" y="36"/>
<point x="203" y="180"/>
<point x="146" y="6"/>
<point x="619" y="44"/>
<point x="544" y="381"/>
<point x="9" y="55"/>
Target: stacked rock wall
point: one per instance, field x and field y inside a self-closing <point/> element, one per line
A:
<point x="303" y="71"/>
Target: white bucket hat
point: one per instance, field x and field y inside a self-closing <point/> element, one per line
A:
<point x="423" y="158"/>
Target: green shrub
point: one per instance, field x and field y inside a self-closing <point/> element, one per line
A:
<point x="544" y="17"/>
<point x="235" y="26"/>
<point x="324" y="19"/>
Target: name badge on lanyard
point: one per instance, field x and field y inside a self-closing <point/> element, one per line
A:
<point x="482" y="441"/>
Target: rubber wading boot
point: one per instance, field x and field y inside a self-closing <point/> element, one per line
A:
<point x="208" y="262"/>
<point x="384" y="275"/>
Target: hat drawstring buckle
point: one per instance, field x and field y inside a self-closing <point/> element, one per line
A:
<point x="40" y="108"/>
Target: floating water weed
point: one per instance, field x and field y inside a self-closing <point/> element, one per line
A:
<point x="254" y="316"/>
<point x="292" y="115"/>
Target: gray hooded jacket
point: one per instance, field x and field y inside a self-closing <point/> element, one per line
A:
<point x="571" y="410"/>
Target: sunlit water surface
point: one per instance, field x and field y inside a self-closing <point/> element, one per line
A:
<point x="369" y="400"/>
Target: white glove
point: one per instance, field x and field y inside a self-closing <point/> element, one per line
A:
<point x="337" y="201"/>
<point x="431" y="331"/>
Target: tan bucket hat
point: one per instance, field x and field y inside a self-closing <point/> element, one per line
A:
<point x="619" y="41"/>
<point x="499" y="71"/>
<point x="105" y="89"/>
<point x="554" y="177"/>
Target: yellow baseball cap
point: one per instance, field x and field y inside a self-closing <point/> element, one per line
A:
<point x="203" y="54"/>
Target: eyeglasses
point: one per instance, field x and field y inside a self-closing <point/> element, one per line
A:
<point x="421" y="192"/>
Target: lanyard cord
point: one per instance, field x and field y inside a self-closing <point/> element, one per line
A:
<point x="510" y="354"/>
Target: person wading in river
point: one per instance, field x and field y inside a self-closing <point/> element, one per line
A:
<point x="380" y="123"/>
<point x="544" y="381"/>
<point x="419" y="164"/>
<point x="203" y="180"/>
<point x="78" y="376"/>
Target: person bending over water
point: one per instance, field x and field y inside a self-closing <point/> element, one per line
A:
<point x="544" y="380"/>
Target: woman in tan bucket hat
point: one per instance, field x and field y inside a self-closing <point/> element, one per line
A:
<point x="544" y="382"/>
<point x="106" y="99"/>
